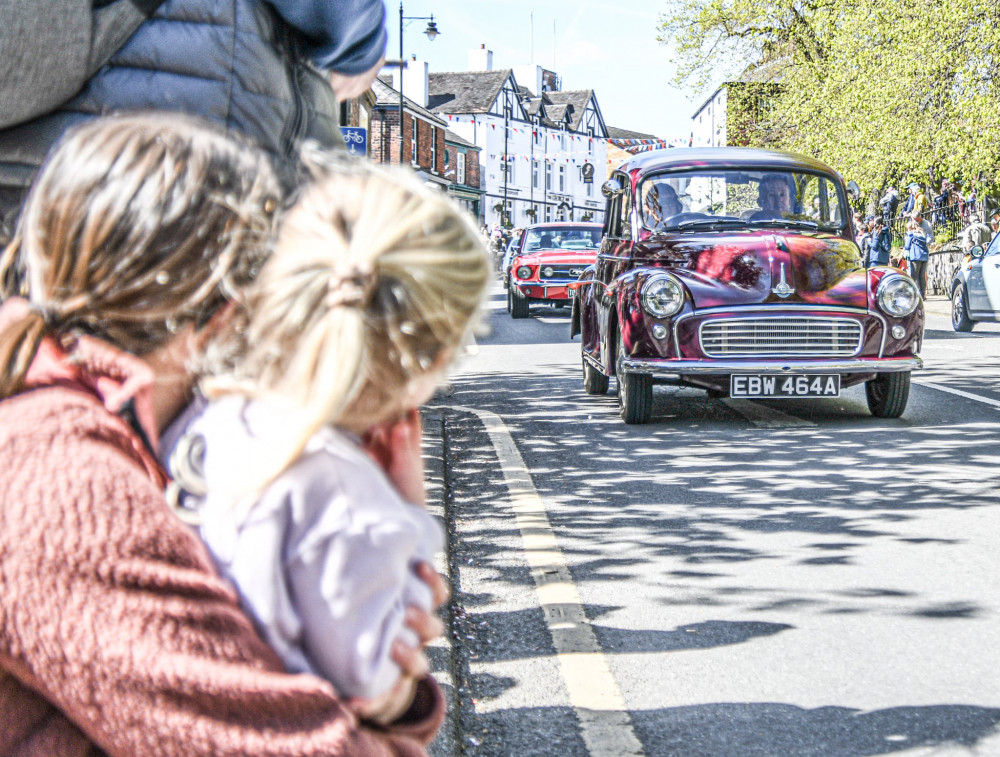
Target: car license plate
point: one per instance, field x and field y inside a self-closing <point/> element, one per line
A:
<point x="759" y="385"/>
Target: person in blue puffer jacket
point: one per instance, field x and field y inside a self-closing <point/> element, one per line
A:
<point x="881" y="244"/>
<point x="267" y="69"/>
<point x="916" y="248"/>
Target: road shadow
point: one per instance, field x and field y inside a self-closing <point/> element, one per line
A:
<point x="741" y="730"/>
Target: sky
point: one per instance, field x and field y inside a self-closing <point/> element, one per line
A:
<point x="609" y="47"/>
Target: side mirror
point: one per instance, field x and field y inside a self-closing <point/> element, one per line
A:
<point x="977" y="251"/>
<point x="854" y="190"/>
<point x="611" y="187"/>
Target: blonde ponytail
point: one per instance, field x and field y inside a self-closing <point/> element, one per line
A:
<point x="374" y="281"/>
<point x="136" y="226"/>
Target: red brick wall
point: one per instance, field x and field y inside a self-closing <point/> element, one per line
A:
<point x="471" y="166"/>
<point x="390" y="119"/>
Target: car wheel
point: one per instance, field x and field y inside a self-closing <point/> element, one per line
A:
<point x="635" y="392"/>
<point x="594" y="382"/>
<point x="888" y="393"/>
<point x="519" y="305"/>
<point x="960" y="320"/>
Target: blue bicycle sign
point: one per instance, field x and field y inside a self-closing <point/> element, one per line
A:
<point x="356" y="138"/>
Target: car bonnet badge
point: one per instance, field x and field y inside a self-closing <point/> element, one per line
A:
<point x="782" y="289"/>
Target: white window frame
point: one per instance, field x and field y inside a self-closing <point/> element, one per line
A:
<point x="460" y="168"/>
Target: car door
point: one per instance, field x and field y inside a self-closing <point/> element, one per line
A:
<point x="983" y="281"/>
<point x="612" y="260"/>
<point x="991" y="278"/>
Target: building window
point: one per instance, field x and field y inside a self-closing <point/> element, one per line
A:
<point x="510" y="170"/>
<point x="460" y="170"/>
<point x="548" y="178"/>
<point x="548" y="212"/>
<point x="534" y="174"/>
<point x="562" y="178"/>
<point x="413" y="141"/>
<point x="434" y="150"/>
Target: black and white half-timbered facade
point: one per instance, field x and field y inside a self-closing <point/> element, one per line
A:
<point x="543" y="151"/>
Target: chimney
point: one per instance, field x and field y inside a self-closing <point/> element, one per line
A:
<point x="530" y="77"/>
<point x="415" y="81"/>
<point x="481" y="59"/>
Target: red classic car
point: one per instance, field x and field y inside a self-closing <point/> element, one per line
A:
<point x="551" y="256"/>
<point x="735" y="270"/>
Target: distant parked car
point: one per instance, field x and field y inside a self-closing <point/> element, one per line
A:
<point x="735" y="270"/>
<point x="511" y="250"/>
<point x="551" y="257"/>
<point x="975" y="288"/>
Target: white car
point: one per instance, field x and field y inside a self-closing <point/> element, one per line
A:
<point x="975" y="289"/>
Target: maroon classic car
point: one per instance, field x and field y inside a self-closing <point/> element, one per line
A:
<point x="551" y="257"/>
<point x="735" y="270"/>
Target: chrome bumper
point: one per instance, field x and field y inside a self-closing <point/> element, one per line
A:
<point x="673" y="368"/>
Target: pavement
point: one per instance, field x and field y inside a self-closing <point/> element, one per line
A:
<point x="446" y="654"/>
<point x="937" y="304"/>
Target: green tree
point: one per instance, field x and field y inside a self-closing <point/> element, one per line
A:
<point x="885" y="91"/>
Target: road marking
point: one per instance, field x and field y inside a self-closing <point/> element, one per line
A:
<point x="764" y="416"/>
<point x="960" y="393"/>
<point x="593" y="692"/>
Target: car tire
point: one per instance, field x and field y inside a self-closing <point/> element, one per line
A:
<point x="519" y="305"/>
<point x="887" y="394"/>
<point x="960" y="320"/>
<point x="594" y="382"/>
<point x="635" y="392"/>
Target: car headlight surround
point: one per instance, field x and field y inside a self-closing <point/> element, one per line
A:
<point x="524" y="272"/>
<point x="662" y="295"/>
<point x="897" y="296"/>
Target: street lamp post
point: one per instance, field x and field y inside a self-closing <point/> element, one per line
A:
<point x="431" y="31"/>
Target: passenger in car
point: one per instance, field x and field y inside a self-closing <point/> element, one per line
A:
<point x="775" y="197"/>
<point x="662" y="204"/>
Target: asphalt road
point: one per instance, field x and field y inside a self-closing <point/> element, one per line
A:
<point x="736" y="578"/>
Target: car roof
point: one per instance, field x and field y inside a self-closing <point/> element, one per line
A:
<point x="721" y="157"/>
<point x="564" y="225"/>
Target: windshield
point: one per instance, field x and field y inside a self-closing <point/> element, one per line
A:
<point x="563" y="238"/>
<point x="739" y="197"/>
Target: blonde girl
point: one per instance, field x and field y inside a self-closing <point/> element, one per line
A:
<point x="371" y="290"/>
<point x="117" y="635"/>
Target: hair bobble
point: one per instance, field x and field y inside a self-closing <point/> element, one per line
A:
<point x="352" y="288"/>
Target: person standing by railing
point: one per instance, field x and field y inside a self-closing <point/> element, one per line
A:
<point x="916" y="248"/>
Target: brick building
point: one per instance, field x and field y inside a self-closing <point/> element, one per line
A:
<point x="462" y="167"/>
<point x="423" y="141"/>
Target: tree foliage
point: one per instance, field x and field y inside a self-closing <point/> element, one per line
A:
<point x="886" y="91"/>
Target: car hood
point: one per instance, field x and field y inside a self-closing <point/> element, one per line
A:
<point x="760" y="266"/>
<point x="557" y="257"/>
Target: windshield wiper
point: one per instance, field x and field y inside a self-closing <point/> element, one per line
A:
<point x="787" y="223"/>
<point x="702" y="223"/>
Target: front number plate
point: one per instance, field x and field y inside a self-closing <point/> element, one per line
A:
<point x="759" y="385"/>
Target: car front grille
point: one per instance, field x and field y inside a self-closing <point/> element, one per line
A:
<point x="563" y="272"/>
<point x="792" y="336"/>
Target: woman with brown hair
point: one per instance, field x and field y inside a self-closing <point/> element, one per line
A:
<point x="116" y="634"/>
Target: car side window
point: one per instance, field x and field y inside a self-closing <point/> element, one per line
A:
<point x="625" y="222"/>
<point x="994" y="247"/>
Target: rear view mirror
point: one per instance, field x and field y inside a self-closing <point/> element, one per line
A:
<point x="977" y="251"/>
<point x="854" y="190"/>
<point x="611" y="187"/>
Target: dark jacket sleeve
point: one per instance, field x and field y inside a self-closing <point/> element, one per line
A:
<point x="347" y="36"/>
<point x="114" y="614"/>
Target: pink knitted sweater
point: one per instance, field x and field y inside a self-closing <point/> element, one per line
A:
<point x="116" y="635"/>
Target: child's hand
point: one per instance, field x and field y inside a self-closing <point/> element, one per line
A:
<point x="396" y="448"/>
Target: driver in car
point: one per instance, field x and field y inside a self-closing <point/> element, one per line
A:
<point x="661" y="205"/>
<point x="774" y="195"/>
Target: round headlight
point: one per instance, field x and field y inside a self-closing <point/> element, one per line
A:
<point x="897" y="296"/>
<point x="547" y="272"/>
<point x="523" y="272"/>
<point x="662" y="296"/>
